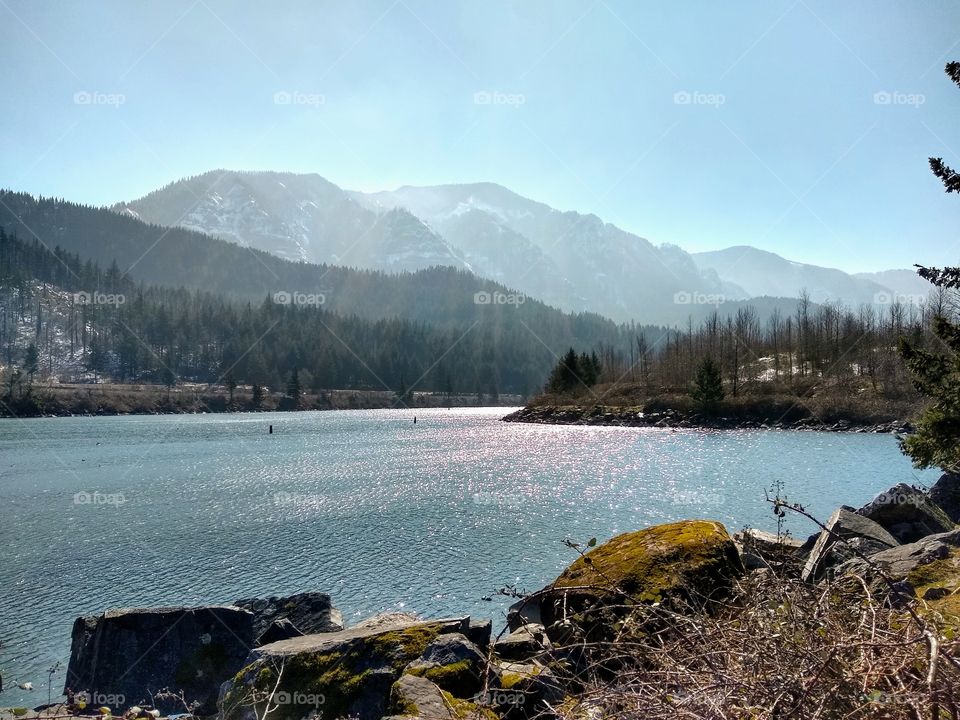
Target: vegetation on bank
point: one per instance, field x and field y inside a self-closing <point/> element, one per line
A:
<point x="125" y="399"/>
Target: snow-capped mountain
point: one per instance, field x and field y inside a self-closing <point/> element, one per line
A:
<point x="298" y="217"/>
<point x="574" y="261"/>
<point x="759" y="272"/>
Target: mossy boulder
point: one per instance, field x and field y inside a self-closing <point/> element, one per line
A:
<point x="524" y="690"/>
<point x="453" y="663"/>
<point x="330" y="675"/>
<point x="692" y="561"/>
<point x="928" y="570"/>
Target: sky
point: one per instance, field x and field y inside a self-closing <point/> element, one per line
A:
<point x="802" y="127"/>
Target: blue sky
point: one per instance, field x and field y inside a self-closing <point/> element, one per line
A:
<point x="704" y="124"/>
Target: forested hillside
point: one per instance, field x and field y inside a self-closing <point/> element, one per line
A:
<point x="78" y="316"/>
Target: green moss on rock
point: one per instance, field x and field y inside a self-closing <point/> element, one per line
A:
<point x="341" y="675"/>
<point x="649" y="564"/>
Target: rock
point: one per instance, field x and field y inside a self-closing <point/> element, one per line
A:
<point x="525" y="642"/>
<point x="907" y="513"/>
<point x="929" y="568"/>
<point x="331" y="675"/>
<point x="859" y="532"/>
<point x="479" y="633"/>
<point x="132" y="652"/>
<point x="526" y="610"/>
<point x="903" y="562"/>
<point x="526" y="690"/>
<point x="945" y="493"/>
<point x="281" y="629"/>
<point x="767" y="544"/>
<point x="453" y="663"/>
<point x="687" y="561"/>
<point x="417" y="697"/>
<point x="310" y="612"/>
<point x="758" y="549"/>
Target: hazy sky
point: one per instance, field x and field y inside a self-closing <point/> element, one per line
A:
<point x="704" y="124"/>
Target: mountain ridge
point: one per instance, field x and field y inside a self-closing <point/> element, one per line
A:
<point x="576" y="262"/>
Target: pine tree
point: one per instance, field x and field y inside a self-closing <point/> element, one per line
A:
<point x="31" y="362"/>
<point x="936" y="440"/>
<point x="294" y="388"/>
<point x="707" y="389"/>
<point x="566" y="375"/>
<point x="256" y="397"/>
<point x="231" y="382"/>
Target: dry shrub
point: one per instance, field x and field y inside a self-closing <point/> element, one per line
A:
<point x="776" y="648"/>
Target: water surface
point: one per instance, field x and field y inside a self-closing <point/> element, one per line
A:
<point x="379" y="512"/>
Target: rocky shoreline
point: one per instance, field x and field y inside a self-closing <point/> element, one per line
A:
<point x="292" y="658"/>
<point x="599" y="415"/>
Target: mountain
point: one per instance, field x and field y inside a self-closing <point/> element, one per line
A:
<point x="758" y="272"/>
<point x="905" y="284"/>
<point x="174" y="257"/>
<point x="575" y="260"/>
<point x="572" y="261"/>
<point x="296" y="217"/>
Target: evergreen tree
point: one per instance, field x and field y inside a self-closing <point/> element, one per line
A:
<point x="936" y="441"/>
<point x="31" y="362"/>
<point x="294" y="388"/>
<point x="256" y="398"/>
<point x="707" y="390"/>
<point x="231" y="382"/>
<point x="566" y="375"/>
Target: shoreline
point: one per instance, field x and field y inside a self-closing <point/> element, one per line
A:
<point x="608" y="416"/>
<point x="115" y="400"/>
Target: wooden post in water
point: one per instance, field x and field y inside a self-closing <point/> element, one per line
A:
<point x="271" y="429"/>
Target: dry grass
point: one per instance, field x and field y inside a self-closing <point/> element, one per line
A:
<point x="778" y="648"/>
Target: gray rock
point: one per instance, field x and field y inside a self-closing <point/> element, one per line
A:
<point x="281" y="629"/>
<point x="526" y="610"/>
<point x="479" y="633"/>
<point x="528" y="690"/>
<point x="133" y="652"/>
<point x="907" y="513"/>
<point x="417" y="697"/>
<point x="864" y="534"/>
<point x="310" y="612"/>
<point x="945" y="493"/>
<point x="898" y="562"/>
<point x="453" y="663"/>
<point x="525" y="642"/>
<point x="767" y="544"/>
<point x="352" y="670"/>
